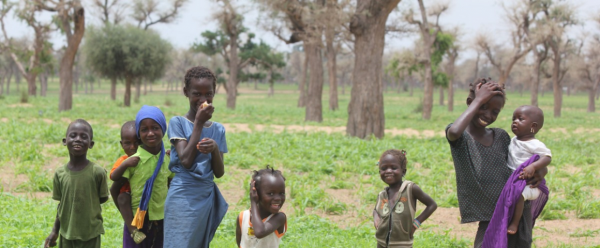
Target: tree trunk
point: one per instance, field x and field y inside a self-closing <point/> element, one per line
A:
<point x="441" y="96"/>
<point x="31" y="87"/>
<point x="556" y="87"/>
<point x="302" y="84"/>
<point x="18" y="81"/>
<point x="66" y="65"/>
<point x="145" y="87"/>
<point x="138" y="90"/>
<point x="113" y="89"/>
<point x="91" y="87"/>
<point x="44" y="83"/>
<point x="10" y="74"/>
<point x="428" y="39"/>
<point x="535" y="84"/>
<point x="255" y="84"/>
<point x="127" y="96"/>
<point x="233" y="72"/>
<point x="271" y="84"/>
<point x="2" y="80"/>
<point x="591" y="101"/>
<point x="365" y="110"/>
<point x="331" y="69"/>
<point x="85" y="85"/>
<point x="314" y="107"/>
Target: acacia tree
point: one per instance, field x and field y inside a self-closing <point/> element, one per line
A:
<point x="304" y="20"/>
<point x="429" y="35"/>
<point x="70" y="17"/>
<point x="558" y="18"/>
<point x="520" y="18"/>
<point x="126" y="52"/>
<point x="588" y="69"/>
<point x="452" y="54"/>
<point x="27" y="13"/>
<point x="365" y="110"/>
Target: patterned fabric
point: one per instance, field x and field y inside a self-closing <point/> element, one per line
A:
<point x="481" y="173"/>
<point x="496" y="234"/>
<point x="248" y="240"/>
<point x="194" y="206"/>
<point x="396" y="222"/>
<point x="521" y="151"/>
<point x="79" y="193"/>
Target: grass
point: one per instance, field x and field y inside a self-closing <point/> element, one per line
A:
<point x="313" y="162"/>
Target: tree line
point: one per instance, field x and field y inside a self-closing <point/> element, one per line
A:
<point x="341" y="39"/>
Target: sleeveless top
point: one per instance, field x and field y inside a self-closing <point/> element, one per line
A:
<point x="396" y="223"/>
<point x="250" y="241"/>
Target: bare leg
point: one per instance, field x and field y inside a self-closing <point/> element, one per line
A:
<point x="514" y="224"/>
<point x="125" y="209"/>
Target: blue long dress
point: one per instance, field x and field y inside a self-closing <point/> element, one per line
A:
<point x="194" y="207"/>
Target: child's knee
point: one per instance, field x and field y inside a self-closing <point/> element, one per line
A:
<point x="124" y="199"/>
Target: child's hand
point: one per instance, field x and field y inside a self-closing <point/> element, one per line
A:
<point x="131" y="162"/>
<point x="253" y="192"/>
<point x="206" y="145"/>
<point x="485" y="92"/>
<point x="168" y="152"/>
<point x="51" y="240"/>
<point x="204" y="114"/>
<point x="527" y="172"/>
<point x="412" y="231"/>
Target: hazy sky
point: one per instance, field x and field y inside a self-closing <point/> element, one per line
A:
<point x="473" y="16"/>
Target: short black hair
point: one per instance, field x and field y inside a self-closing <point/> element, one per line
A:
<point x="126" y="126"/>
<point x="199" y="72"/>
<point x="536" y="114"/>
<point x="257" y="175"/>
<point x="398" y="154"/>
<point x="84" y="122"/>
<point x="473" y="87"/>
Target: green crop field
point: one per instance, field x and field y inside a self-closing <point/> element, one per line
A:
<point x="332" y="179"/>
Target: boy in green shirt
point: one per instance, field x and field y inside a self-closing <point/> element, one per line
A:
<point x="81" y="187"/>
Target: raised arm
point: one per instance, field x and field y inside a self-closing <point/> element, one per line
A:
<point x="261" y="229"/>
<point x="484" y="92"/>
<point x="117" y="174"/>
<point x="186" y="149"/>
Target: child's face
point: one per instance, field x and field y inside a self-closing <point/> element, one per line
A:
<point x="129" y="141"/>
<point x="150" y="133"/>
<point x="200" y="91"/>
<point x="78" y="139"/>
<point x="390" y="169"/>
<point x="272" y="193"/>
<point x="488" y="112"/>
<point x="522" y="122"/>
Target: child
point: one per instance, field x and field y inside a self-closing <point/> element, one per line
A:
<point x="394" y="213"/>
<point x="120" y="190"/>
<point x="524" y="151"/>
<point x="80" y="186"/>
<point x="148" y="175"/>
<point x="527" y="122"/>
<point x="480" y="157"/>
<point x="195" y="207"/>
<point x="263" y="225"/>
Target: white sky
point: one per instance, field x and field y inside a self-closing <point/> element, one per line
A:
<point x="473" y="16"/>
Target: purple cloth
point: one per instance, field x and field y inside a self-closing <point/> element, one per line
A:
<point x="154" y="235"/>
<point x="496" y="233"/>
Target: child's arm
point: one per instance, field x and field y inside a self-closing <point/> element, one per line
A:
<point x="483" y="94"/>
<point x="261" y="229"/>
<point x="186" y="149"/>
<point x="208" y="145"/>
<point x="376" y="218"/>
<point x="424" y="198"/>
<point x="51" y="239"/>
<point x="238" y="231"/>
<point x="117" y="174"/>
<point x="528" y="171"/>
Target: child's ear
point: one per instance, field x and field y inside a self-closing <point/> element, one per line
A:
<point x="91" y="144"/>
<point x="64" y="141"/>
<point x="469" y="101"/>
<point x="185" y="92"/>
<point x="534" y="125"/>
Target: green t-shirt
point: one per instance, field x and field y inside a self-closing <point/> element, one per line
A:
<point x="79" y="193"/>
<point x="140" y="174"/>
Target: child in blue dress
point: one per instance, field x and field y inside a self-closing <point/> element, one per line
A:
<point x="195" y="207"/>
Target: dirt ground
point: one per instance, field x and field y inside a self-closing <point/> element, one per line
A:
<point x="546" y="233"/>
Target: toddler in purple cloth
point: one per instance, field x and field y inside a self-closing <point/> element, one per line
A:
<point x="526" y="122"/>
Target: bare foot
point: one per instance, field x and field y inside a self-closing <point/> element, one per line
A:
<point x="512" y="228"/>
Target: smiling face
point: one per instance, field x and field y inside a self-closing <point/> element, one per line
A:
<point x="488" y="112"/>
<point x="129" y="141"/>
<point x="271" y="193"/>
<point x="390" y="170"/>
<point x="523" y="122"/>
<point x="199" y="91"/>
<point x="150" y="133"/>
<point x="78" y="139"/>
